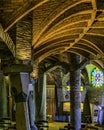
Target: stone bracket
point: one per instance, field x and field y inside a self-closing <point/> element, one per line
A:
<point x="17" y="68"/>
<point x="19" y="96"/>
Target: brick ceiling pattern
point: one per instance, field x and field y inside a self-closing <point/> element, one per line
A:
<point x="75" y="26"/>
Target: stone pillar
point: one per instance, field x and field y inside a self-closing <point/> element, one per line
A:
<point x="40" y="93"/>
<point x="36" y="95"/>
<point x="3" y="97"/>
<point x="9" y="97"/>
<point x="31" y="107"/>
<point x="75" y="95"/>
<point x="43" y="105"/>
<point x="19" y="83"/>
<point x="19" y="77"/>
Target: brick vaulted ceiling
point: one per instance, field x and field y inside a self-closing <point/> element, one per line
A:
<point x="58" y="26"/>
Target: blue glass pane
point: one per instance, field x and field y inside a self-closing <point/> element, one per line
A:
<point x="97" y="77"/>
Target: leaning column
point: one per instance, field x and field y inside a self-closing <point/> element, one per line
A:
<point x="40" y="92"/>
<point x="75" y="95"/>
<point x="3" y="97"/>
<point x="19" y="77"/>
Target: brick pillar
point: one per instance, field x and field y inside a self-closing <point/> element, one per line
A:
<point x="24" y="38"/>
<point x="75" y="95"/>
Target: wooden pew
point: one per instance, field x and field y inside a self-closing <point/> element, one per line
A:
<point x="42" y="124"/>
<point x="6" y="124"/>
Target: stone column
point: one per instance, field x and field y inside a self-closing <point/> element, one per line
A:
<point x="40" y="93"/>
<point x="43" y="105"/>
<point x="75" y="95"/>
<point x="3" y="97"/>
<point x="19" y="77"/>
<point x="36" y="109"/>
<point x="31" y="107"/>
<point x="19" y="82"/>
<point x="9" y="97"/>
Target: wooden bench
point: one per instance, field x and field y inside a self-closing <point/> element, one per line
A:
<point x="69" y="127"/>
<point x="6" y="124"/>
<point x="83" y="126"/>
<point x="42" y="124"/>
<point x="92" y="128"/>
<point x="12" y="128"/>
<point x="62" y="129"/>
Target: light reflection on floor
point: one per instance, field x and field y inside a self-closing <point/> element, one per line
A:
<point x="57" y="125"/>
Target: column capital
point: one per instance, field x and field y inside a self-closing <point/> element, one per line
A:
<point x="19" y="96"/>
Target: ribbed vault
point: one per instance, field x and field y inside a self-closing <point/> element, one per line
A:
<point x="57" y="27"/>
<point x="48" y="31"/>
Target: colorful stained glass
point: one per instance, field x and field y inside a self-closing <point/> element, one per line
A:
<point x="97" y="78"/>
<point x="68" y="88"/>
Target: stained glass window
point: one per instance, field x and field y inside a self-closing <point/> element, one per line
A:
<point x="97" y="77"/>
<point x="68" y="88"/>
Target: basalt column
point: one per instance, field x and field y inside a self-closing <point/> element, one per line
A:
<point x="31" y="107"/>
<point x="19" y="77"/>
<point x="75" y="95"/>
<point x="41" y="95"/>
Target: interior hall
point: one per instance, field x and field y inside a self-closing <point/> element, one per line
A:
<point x="51" y="64"/>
